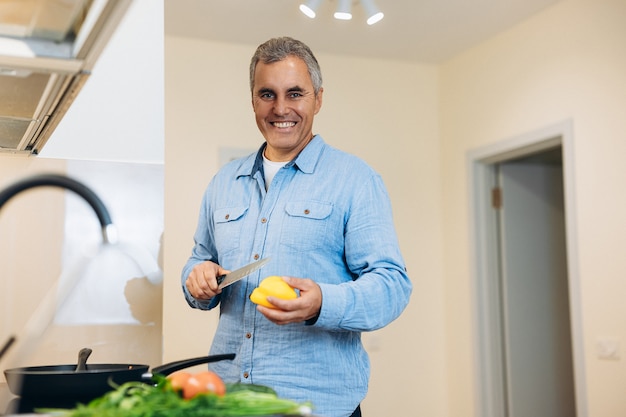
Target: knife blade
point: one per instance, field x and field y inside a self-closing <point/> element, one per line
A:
<point x="232" y="277"/>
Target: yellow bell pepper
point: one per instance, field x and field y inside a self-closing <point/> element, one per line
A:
<point x="273" y="286"/>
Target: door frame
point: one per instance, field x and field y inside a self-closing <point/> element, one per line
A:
<point x="487" y="326"/>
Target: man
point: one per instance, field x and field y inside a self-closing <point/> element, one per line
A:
<point x="324" y="218"/>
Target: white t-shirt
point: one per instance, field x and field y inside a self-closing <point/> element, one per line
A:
<point x="270" y="168"/>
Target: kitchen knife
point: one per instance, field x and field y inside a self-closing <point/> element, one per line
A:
<point x="226" y="280"/>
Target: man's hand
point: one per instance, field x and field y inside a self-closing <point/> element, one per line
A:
<point x="305" y="307"/>
<point x="202" y="281"/>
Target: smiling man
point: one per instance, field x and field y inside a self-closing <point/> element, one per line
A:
<point x="285" y="106"/>
<point x="324" y="218"/>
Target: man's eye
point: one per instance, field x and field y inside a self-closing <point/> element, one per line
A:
<point x="266" y="96"/>
<point x="295" y="95"/>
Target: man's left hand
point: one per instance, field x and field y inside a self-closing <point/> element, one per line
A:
<point x="305" y="307"/>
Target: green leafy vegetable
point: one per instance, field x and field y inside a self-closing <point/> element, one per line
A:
<point x="138" y="399"/>
<point x="238" y="386"/>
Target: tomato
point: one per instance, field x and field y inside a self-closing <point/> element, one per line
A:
<point x="204" y="382"/>
<point x="179" y="379"/>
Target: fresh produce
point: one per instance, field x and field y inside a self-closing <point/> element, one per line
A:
<point x="139" y="399"/>
<point x="273" y="286"/>
<point x="178" y="380"/>
<point x="202" y="383"/>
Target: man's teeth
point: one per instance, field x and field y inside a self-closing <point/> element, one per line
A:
<point x="284" y="124"/>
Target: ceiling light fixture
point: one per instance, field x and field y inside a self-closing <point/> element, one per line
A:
<point x="310" y="8"/>
<point x="371" y="11"/>
<point x="344" y="10"/>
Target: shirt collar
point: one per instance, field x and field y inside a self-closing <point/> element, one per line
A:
<point x="308" y="157"/>
<point x="305" y="161"/>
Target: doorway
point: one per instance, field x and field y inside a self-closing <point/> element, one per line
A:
<point x="526" y="293"/>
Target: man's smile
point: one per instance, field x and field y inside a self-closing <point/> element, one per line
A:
<point x="282" y="125"/>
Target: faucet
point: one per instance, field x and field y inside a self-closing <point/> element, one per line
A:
<point x="109" y="233"/>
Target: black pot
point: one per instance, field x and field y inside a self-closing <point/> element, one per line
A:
<point x="47" y="384"/>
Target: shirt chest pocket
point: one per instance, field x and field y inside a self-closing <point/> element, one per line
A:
<point x="228" y="226"/>
<point x="307" y="225"/>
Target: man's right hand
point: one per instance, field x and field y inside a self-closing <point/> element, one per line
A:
<point x="202" y="281"/>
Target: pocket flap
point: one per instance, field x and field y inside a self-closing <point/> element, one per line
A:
<point x="229" y="214"/>
<point x="309" y="209"/>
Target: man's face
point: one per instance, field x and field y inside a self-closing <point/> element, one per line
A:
<point x="284" y="105"/>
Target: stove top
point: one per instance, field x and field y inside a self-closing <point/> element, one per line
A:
<point x="11" y="405"/>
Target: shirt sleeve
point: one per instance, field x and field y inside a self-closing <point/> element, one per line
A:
<point x="203" y="250"/>
<point x="381" y="288"/>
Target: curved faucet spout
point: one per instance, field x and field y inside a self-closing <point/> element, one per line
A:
<point x="44" y="314"/>
<point x="55" y="180"/>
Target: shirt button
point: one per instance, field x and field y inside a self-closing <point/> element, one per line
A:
<point x="307" y="211"/>
<point x="246" y="375"/>
<point x="263" y="220"/>
<point x="227" y="216"/>
<point x="248" y="335"/>
<point x="256" y="256"/>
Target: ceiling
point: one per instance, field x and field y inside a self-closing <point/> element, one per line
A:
<point x="422" y="31"/>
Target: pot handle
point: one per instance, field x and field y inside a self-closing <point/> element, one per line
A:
<point x="172" y="367"/>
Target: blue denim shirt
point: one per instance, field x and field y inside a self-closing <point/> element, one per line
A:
<point x="326" y="216"/>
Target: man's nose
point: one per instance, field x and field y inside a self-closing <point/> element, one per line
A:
<point x="280" y="106"/>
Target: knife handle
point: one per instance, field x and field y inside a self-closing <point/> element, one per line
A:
<point x="220" y="279"/>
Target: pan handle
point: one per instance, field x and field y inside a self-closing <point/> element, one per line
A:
<point x="172" y="367"/>
<point x="6" y="346"/>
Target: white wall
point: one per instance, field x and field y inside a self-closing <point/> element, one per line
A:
<point x="370" y="109"/>
<point x="567" y="63"/>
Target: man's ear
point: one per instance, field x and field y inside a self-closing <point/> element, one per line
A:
<point x="318" y="100"/>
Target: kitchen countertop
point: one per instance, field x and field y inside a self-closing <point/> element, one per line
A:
<point x="7" y="405"/>
<point x="10" y="405"/>
<point x="14" y="406"/>
<point x="5" y="399"/>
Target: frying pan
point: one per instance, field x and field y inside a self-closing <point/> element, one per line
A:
<point x="42" y="384"/>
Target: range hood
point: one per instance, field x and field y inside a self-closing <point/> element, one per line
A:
<point x="48" y="49"/>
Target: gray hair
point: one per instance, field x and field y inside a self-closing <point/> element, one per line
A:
<point x="277" y="49"/>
